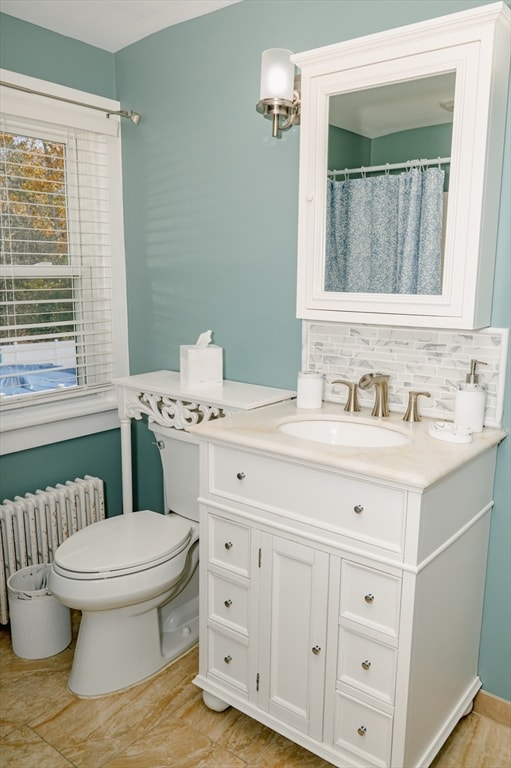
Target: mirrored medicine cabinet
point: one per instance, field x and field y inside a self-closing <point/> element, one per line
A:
<point x="401" y="146"/>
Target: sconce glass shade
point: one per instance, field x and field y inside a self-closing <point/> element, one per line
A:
<point x="277" y="74"/>
<point x="279" y="96"/>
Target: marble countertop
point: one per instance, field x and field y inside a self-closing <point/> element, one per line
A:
<point x="419" y="463"/>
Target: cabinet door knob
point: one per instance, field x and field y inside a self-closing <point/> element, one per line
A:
<point x="316" y="650"/>
<point x="369" y="598"/>
<point x="358" y="508"/>
<point x="366" y="664"/>
<point x="228" y="545"/>
<point x="227" y="603"/>
<point x="227" y="659"/>
<point x="240" y="475"/>
<point x="362" y="730"/>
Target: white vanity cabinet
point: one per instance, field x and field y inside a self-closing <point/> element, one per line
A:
<point x="342" y="611"/>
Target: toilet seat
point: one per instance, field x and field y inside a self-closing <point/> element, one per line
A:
<point x="123" y="545"/>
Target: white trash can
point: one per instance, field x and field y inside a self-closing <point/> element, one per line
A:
<point x="40" y="625"/>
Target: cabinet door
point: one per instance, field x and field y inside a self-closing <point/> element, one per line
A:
<point x="471" y="48"/>
<point x="293" y="620"/>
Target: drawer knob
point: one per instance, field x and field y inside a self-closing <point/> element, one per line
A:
<point x="358" y="508"/>
<point x="316" y="650"/>
<point x="362" y="730"/>
<point x="228" y="545"/>
<point x="366" y="664"/>
<point x="227" y="659"/>
<point x="240" y="475"/>
<point x="369" y="598"/>
<point x="227" y="603"/>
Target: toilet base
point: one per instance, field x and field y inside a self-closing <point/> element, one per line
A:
<point x="180" y="629"/>
<point x="120" y="648"/>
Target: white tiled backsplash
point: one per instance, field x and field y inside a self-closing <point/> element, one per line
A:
<point x="429" y="360"/>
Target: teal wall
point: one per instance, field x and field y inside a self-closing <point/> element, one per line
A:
<point x="97" y="455"/>
<point x="211" y="217"/>
<point x="347" y="149"/>
<point x="433" y="141"/>
<point x="37" y="52"/>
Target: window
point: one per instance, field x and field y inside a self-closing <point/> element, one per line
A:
<point x="62" y="261"/>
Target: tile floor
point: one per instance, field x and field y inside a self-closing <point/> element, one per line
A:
<point x="163" y="723"/>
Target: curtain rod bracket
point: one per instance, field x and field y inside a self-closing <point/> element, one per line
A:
<point x="129" y="113"/>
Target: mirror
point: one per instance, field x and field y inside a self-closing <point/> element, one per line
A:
<point x="436" y="89"/>
<point x="387" y="183"/>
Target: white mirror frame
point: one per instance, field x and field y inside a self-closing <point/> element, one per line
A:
<point x="474" y="44"/>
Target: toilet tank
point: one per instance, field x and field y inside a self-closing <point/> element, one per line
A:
<point x="179" y="453"/>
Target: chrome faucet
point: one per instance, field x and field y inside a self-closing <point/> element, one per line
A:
<point x="352" y="402"/>
<point x="380" y="382"/>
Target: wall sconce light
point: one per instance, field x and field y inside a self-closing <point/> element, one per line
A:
<point x="279" y="91"/>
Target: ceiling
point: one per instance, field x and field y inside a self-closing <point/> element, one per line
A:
<point x="109" y="24"/>
<point x="415" y="103"/>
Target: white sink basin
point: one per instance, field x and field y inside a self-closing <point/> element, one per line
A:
<point x="351" y="433"/>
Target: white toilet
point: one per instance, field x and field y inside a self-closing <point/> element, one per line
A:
<point x="135" y="579"/>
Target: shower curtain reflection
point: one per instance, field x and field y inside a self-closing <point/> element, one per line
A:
<point x="384" y="233"/>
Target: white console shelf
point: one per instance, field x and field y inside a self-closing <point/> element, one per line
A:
<point x="160" y="396"/>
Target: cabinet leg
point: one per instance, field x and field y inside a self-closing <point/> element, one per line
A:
<point x="469" y="708"/>
<point x="213" y="702"/>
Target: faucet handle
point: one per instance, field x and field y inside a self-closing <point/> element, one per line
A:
<point x="412" y="411"/>
<point x="352" y="402"/>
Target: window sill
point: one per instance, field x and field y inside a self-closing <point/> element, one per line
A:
<point x="39" y="425"/>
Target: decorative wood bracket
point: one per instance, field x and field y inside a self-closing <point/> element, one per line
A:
<point x="169" y="411"/>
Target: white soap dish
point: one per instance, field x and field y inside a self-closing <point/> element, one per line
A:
<point x="444" y="430"/>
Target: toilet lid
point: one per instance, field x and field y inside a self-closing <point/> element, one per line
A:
<point x="124" y="543"/>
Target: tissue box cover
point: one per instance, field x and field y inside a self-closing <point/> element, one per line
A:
<point x="201" y="367"/>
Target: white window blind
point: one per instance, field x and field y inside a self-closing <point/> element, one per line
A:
<point x="56" y="337"/>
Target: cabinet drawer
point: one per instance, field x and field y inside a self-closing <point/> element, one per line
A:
<point x="228" y="603"/>
<point x="228" y="659"/>
<point x="229" y="545"/>
<point x="370" y="597"/>
<point x="366" y="664"/>
<point x="363" y="729"/>
<point x="361" y="510"/>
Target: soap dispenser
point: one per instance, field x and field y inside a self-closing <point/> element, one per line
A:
<point x="470" y="402"/>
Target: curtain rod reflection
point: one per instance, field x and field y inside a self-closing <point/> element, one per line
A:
<point x="392" y="166"/>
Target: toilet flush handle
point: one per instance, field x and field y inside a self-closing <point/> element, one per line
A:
<point x="159" y="444"/>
